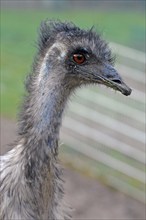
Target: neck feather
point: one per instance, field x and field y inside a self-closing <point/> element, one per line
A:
<point x="40" y="121"/>
<point x="43" y="108"/>
<point x="39" y="131"/>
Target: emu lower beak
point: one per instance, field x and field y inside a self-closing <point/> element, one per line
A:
<point x="111" y="78"/>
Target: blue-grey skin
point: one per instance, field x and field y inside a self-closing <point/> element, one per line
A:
<point x="31" y="185"/>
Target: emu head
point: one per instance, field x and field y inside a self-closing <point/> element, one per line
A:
<point x="77" y="57"/>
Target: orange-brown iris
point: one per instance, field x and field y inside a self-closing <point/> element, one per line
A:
<point x="79" y="58"/>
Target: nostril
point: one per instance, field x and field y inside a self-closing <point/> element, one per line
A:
<point x="116" y="81"/>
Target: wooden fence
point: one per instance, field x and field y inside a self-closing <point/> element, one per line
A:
<point x="104" y="132"/>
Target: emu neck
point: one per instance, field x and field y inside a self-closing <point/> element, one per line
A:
<point x="40" y="131"/>
<point x="45" y="109"/>
<point x="49" y="109"/>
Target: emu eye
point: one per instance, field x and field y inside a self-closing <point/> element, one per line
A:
<point x="79" y="58"/>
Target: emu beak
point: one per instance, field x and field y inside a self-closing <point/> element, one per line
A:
<point x="111" y="78"/>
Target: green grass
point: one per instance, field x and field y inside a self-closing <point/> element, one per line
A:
<point x="18" y="34"/>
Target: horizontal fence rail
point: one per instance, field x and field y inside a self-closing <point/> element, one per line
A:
<point x="127" y="52"/>
<point x="105" y="131"/>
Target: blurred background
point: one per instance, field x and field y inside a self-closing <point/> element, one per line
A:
<point x="103" y="132"/>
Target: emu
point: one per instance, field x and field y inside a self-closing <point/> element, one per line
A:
<point x="68" y="57"/>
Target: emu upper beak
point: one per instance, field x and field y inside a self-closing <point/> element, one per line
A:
<point x="110" y="77"/>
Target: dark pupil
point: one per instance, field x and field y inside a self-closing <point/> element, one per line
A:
<point x="79" y="57"/>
